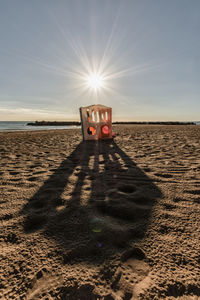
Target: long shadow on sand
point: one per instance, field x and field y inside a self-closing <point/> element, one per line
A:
<point x="97" y="203"/>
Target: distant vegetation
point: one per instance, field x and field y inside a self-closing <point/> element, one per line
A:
<point x="54" y="123"/>
<point x="74" y="123"/>
<point x="158" y="123"/>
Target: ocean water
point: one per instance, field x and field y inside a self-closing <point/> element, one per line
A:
<point x="21" y="126"/>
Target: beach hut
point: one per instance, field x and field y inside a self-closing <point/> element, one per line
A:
<point x="96" y="122"/>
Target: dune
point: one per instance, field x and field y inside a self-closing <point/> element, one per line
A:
<point x="106" y="220"/>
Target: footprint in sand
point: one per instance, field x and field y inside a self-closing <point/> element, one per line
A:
<point x="6" y="217"/>
<point x="193" y="192"/>
<point x="35" y="221"/>
<point x="169" y="206"/>
<point x="12" y="238"/>
<point x="163" y="175"/>
<point x="33" y="178"/>
<point x="126" y="202"/>
<point x="14" y="173"/>
<point x="127" y="188"/>
<point x="133" y="274"/>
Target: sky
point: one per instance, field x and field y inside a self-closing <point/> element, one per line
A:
<point x="146" y="53"/>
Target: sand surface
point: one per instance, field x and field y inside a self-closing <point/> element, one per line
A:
<point x="108" y="220"/>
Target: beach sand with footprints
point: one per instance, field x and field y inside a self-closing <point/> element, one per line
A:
<point x="106" y="220"/>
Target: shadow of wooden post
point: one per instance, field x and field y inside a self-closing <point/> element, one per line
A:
<point x="112" y="214"/>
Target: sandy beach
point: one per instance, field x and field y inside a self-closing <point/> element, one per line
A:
<point x="105" y="220"/>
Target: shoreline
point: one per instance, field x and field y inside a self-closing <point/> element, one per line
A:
<point x="38" y="129"/>
<point x="43" y="128"/>
<point x="72" y="123"/>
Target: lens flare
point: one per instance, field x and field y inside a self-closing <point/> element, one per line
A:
<point x="96" y="224"/>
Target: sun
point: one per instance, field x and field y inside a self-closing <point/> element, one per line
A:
<point x="95" y="81"/>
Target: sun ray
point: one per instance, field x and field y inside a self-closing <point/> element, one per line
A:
<point x="94" y="75"/>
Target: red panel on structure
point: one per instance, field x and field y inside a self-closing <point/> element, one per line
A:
<point x="105" y="129"/>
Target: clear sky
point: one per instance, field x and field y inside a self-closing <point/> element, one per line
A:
<point x="145" y="52"/>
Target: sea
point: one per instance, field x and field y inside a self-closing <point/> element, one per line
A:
<point x="22" y="126"/>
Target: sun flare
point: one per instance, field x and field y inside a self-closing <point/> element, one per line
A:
<point x="95" y="81"/>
